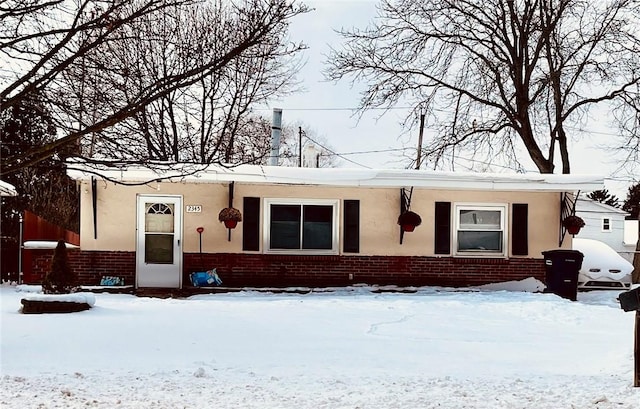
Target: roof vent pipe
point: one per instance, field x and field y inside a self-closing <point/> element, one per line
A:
<point x="311" y="157"/>
<point x="276" y="132"/>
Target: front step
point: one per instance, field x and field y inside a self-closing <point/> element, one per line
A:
<point x="160" y="292"/>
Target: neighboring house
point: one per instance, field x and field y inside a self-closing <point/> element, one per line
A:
<point x="603" y="223"/>
<point x="7" y="189"/>
<point x="319" y="227"/>
<point x="9" y="247"/>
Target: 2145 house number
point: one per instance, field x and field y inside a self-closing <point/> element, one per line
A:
<point x="194" y="208"/>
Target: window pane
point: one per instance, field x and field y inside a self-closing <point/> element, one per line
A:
<point x="480" y="219"/>
<point x="480" y="241"/>
<point x="159" y="218"/>
<point x="285" y="227"/>
<point x="317" y="227"/>
<point x="158" y="249"/>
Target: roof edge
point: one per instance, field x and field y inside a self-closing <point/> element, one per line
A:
<point x="338" y="177"/>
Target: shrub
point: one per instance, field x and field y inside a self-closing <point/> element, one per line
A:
<point x="60" y="279"/>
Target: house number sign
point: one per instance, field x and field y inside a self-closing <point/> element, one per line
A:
<point x="194" y="208"/>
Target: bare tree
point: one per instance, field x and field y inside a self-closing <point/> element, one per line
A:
<point x="496" y="75"/>
<point x="298" y="136"/>
<point x="201" y="123"/>
<point x="48" y="44"/>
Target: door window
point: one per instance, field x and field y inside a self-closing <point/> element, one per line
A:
<point x="158" y="224"/>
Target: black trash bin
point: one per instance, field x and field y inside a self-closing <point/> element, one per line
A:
<point x="630" y="300"/>
<point x="561" y="272"/>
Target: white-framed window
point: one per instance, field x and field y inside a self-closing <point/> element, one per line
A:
<point x="480" y="229"/>
<point x="606" y="224"/>
<point x="301" y="226"/>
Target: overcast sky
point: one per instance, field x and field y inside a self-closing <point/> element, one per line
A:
<point x="376" y="140"/>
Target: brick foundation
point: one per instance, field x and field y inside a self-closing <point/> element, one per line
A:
<point x="90" y="266"/>
<point x="266" y="270"/>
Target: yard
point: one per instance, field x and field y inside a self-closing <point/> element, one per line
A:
<point x="349" y="348"/>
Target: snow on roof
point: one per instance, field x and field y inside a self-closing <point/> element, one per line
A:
<point x="589" y="205"/>
<point x="45" y="244"/>
<point x="7" y="189"/>
<point x="346" y="177"/>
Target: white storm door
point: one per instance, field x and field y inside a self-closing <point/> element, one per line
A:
<point x="159" y="239"/>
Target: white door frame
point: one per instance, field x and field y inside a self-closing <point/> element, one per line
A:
<point x="163" y="274"/>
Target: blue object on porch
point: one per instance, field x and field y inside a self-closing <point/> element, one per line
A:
<point x="109" y="281"/>
<point x="205" y="278"/>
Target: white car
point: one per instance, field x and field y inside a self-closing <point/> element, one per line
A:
<point x="602" y="268"/>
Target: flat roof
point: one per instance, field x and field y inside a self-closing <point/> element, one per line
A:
<point x="7" y="189"/>
<point x="338" y="177"/>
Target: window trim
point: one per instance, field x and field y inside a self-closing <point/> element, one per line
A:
<point x="602" y="225"/>
<point x="335" y="234"/>
<point x="504" y="218"/>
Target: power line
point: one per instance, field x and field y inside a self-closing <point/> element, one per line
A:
<point x="354" y="109"/>
<point x="335" y="153"/>
<point x="335" y="109"/>
<point x="377" y="151"/>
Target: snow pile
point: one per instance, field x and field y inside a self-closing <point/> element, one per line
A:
<point x="530" y="285"/>
<point x="433" y="348"/>
<point x="80" y="298"/>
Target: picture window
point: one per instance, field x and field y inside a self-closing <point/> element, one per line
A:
<point x="480" y="229"/>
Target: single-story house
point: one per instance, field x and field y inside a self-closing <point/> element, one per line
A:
<point x="319" y="226"/>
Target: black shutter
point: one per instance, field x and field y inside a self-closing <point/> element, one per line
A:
<point x="442" y="224"/>
<point x="251" y="224"/>
<point x="520" y="229"/>
<point x="351" y="236"/>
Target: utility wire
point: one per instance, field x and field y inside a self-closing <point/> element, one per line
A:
<point x="408" y="108"/>
<point x="377" y="151"/>
<point x="335" y="153"/>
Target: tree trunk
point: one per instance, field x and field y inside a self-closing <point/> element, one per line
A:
<point x="527" y="135"/>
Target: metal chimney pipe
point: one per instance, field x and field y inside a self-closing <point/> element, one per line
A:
<point x="276" y="132"/>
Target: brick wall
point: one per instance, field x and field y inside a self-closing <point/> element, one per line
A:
<point x="91" y="266"/>
<point x="274" y="270"/>
<point x="260" y="270"/>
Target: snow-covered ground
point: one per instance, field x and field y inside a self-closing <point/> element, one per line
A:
<point x="349" y="348"/>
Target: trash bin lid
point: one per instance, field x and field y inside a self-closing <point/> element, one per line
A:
<point x="563" y="256"/>
<point x="561" y="253"/>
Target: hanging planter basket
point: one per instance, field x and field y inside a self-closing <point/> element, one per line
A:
<point x="409" y="220"/>
<point x="230" y="216"/>
<point x="230" y="224"/>
<point x="408" y="227"/>
<point x="573" y="224"/>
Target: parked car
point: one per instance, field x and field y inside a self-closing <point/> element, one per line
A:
<point x="602" y="268"/>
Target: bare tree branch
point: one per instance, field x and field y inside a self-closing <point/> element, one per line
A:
<point x="57" y="43"/>
<point x="497" y="73"/>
